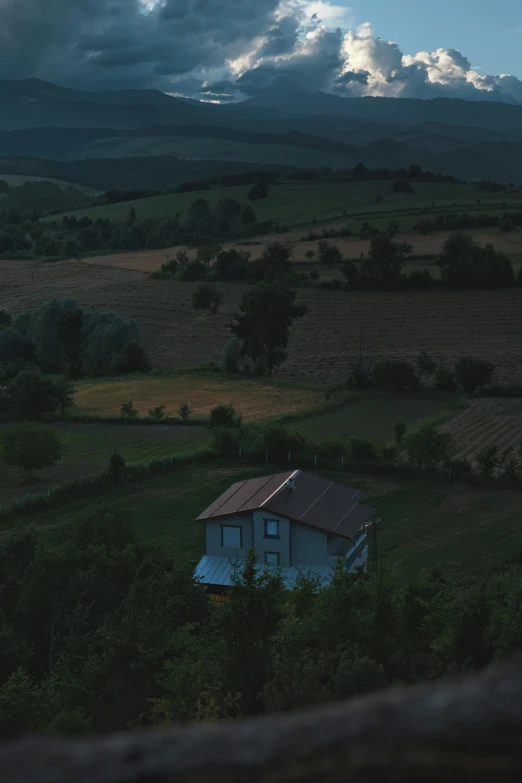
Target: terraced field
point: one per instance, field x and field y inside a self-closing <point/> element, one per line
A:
<point x="487" y="422"/>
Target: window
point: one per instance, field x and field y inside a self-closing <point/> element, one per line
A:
<point x="271" y="528"/>
<point x="231" y="537"/>
<point x="272" y="558"/>
<point x="337" y="546"/>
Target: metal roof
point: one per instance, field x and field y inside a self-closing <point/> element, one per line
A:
<point x="313" y="501"/>
<point x="214" y="570"/>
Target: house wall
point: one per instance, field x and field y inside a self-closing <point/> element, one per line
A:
<point x="309" y="547"/>
<point x="213" y="535"/>
<point x="280" y="545"/>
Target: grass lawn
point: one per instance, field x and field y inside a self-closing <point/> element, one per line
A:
<point x="460" y="530"/>
<point x="255" y="400"/>
<point x="87" y="448"/>
<point x="296" y="203"/>
<point x="373" y="416"/>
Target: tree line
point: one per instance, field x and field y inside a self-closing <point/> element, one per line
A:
<point x="101" y="633"/>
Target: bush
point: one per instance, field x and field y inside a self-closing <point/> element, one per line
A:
<point x="184" y="411"/>
<point x="332" y="447"/>
<point x="207" y="297"/>
<point x="400" y="430"/>
<point x="509" y="464"/>
<point x="396" y="376"/>
<point x="157" y="413"/>
<point x="116" y="466"/>
<point x="128" y="411"/>
<point x="132" y="358"/>
<point x="488" y="461"/>
<point x="389" y="454"/>
<point x="232" y="355"/>
<point x="428" y="447"/>
<point x="30" y="447"/>
<point x="445" y="379"/>
<point x="472" y="374"/>
<point x="5" y="320"/>
<point x="224" y="416"/>
<point x="402" y="186"/>
<point x="31" y="395"/>
<point x="278" y="441"/>
<point x="363" y="450"/>
<point x="460" y="465"/>
<point x="226" y="441"/>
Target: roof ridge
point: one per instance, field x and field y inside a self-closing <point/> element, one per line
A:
<point x="291" y="476"/>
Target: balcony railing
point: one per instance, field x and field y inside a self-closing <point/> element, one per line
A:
<point x="356" y="551"/>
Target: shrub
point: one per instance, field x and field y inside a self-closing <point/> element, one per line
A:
<point x="428" y="447"/>
<point x="445" y="379"/>
<point x="460" y="465"/>
<point x="226" y="441"/>
<point x="116" y="466"/>
<point x="396" y="376"/>
<point x="132" y="358"/>
<point x="509" y="464"/>
<point x="128" y="411"/>
<point x="389" y="454"/>
<point x="363" y="450"/>
<point x="400" y="430"/>
<point x="224" y="416"/>
<point x="277" y="440"/>
<point x="5" y="320"/>
<point x="30" y="447"/>
<point x="426" y="366"/>
<point x="472" y="374"/>
<point x="157" y="413"/>
<point x="232" y="355"/>
<point x="332" y="447"/>
<point x="488" y="461"/>
<point x="184" y="411"/>
<point x="206" y="297"/>
<point x="402" y="186"/>
<point x="31" y="394"/>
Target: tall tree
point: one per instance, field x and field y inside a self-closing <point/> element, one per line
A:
<point x="267" y="311"/>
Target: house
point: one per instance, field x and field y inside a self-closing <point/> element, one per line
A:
<point x="297" y="521"/>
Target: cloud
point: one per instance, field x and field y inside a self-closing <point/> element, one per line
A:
<point x="226" y="51"/>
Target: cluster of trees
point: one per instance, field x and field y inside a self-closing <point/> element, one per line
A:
<point x="227" y="219"/>
<point x="464" y="221"/>
<point x="42" y="198"/>
<point x="212" y="263"/>
<point x="120" y="635"/>
<point x="468" y="375"/>
<point x="464" y="263"/>
<point x="59" y="337"/>
<point x="29" y="394"/>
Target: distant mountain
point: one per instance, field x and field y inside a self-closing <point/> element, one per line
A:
<point x="403" y="111"/>
<point x="471" y="140"/>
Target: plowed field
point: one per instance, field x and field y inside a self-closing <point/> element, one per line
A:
<point x="488" y="422"/>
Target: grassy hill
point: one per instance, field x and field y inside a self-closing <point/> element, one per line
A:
<point x="298" y="203"/>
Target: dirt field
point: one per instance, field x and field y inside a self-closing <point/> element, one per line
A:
<point x="447" y="324"/>
<point x="488" y="422"/>
<point x="151" y="260"/>
<point x="254" y="400"/>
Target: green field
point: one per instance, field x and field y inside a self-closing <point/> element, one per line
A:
<point x="460" y="530"/>
<point x="300" y="203"/>
<point x="373" y="416"/>
<point x="87" y="448"/>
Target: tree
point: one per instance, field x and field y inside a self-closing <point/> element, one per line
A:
<point x="396" y="376"/>
<point x="274" y="264"/>
<point x="473" y="374"/>
<point x="132" y="358"/>
<point x="445" y="379"/>
<point x="329" y="254"/>
<point x="426" y="366"/>
<point x="400" y="430"/>
<point x="350" y="273"/>
<point x="402" y="186"/>
<point x="184" y="411"/>
<point x="232" y="265"/>
<point x="465" y="263"/>
<point x="428" y="447"/>
<point x="267" y="312"/>
<point x="259" y="190"/>
<point x="5" y="320"/>
<point x="32" y="394"/>
<point x="383" y="267"/>
<point x="30" y="447"/>
<point x="206" y="297"/>
<point x="488" y="460"/>
<point x="309" y="254"/>
<point x="224" y="416"/>
<point x="69" y="329"/>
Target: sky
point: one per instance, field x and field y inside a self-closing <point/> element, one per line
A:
<point x="230" y="50"/>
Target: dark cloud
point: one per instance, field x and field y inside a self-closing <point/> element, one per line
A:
<point x="223" y="50"/>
